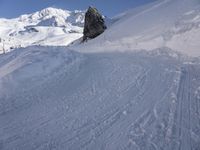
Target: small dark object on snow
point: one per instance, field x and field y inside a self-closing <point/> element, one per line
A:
<point x="94" y="24"/>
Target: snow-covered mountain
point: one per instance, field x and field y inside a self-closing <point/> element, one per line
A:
<point x="49" y="26"/>
<point x="128" y="89"/>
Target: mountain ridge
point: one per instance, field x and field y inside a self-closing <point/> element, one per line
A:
<point x="36" y="28"/>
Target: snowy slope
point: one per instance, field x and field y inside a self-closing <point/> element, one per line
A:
<point x="50" y="26"/>
<point x="57" y="98"/>
<point x="164" y="23"/>
<point x="53" y="98"/>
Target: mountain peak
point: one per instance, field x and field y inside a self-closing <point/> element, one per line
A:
<point x="53" y="11"/>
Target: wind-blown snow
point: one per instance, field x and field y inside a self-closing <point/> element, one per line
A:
<point x="166" y="23"/>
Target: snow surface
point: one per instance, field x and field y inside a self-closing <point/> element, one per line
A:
<point x="54" y="98"/>
<point x="110" y="97"/>
<point x="164" y="23"/>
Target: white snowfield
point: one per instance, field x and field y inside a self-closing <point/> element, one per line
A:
<point x="104" y="95"/>
<point x="50" y="27"/>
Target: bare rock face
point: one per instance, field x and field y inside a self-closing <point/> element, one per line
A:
<point x="94" y="24"/>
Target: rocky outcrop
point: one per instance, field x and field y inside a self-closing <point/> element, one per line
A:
<point x="94" y="24"/>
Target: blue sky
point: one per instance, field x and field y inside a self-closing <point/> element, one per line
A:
<point x="14" y="8"/>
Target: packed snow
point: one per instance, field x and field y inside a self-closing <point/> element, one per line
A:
<point x="54" y="98"/>
<point x="108" y="93"/>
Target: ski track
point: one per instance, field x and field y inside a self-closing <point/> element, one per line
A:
<point x="105" y="101"/>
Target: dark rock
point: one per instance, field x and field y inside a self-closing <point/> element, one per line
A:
<point x="94" y="24"/>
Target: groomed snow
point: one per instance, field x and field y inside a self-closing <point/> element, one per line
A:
<point x="53" y="98"/>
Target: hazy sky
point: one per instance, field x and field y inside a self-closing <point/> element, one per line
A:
<point x="14" y="8"/>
